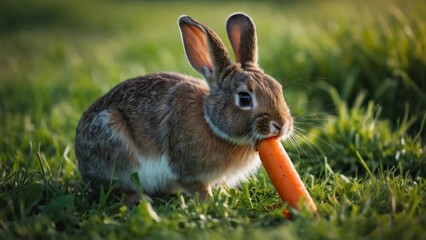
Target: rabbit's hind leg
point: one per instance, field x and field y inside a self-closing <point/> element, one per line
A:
<point x="107" y="155"/>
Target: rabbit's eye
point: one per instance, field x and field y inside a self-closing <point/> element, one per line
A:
<point x="244" y="100"/>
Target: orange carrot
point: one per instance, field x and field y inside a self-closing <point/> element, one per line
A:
<point x="283" y="175"/>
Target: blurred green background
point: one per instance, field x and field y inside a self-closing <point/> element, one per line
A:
<point x="378" y="48"/>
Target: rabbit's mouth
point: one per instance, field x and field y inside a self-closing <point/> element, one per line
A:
<point x="286" y="130"/>
<point x="278" y="133"/>
<point x="267" y="128"/>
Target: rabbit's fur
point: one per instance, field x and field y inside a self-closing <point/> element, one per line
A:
<point x="180" y="133"/>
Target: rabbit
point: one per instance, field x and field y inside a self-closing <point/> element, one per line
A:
<point x="183" y="134"/>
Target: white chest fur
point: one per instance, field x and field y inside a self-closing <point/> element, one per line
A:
<point x="232" y="176"/>
<point x="241" y="174"/>
<point x="155" y="175"/>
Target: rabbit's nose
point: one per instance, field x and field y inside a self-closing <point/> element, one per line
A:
<point x="275" y="128"/>
<point x="282" y="131"/>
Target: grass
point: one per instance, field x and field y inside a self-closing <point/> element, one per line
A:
<point x="354" y="77"/>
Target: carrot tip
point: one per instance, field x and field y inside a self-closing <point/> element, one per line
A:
<point x="283" y="175"/>
<point x="287" y="214"/>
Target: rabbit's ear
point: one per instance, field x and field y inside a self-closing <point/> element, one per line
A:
<point x="204" y="49"/>
<point x="242" y="35"/>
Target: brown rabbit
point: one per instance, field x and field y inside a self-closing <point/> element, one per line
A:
<point x="180" y="133"/>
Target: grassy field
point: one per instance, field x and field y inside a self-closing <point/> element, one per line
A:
<point x="354" y="74"/>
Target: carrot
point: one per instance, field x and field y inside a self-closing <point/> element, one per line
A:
<point x="283" y="175"/>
